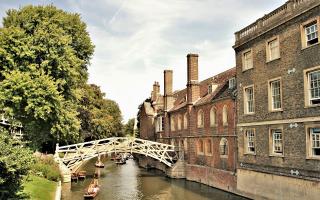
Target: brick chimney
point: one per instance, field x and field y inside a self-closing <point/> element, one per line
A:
<point x="155" y="91"/>
<point x="193" y="89"/>
<point x="168" y="94"/>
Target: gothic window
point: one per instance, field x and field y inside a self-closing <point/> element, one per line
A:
<point x="223" y="147"/>
<point x="213" y="120"/>
<point x="200" y="119"/>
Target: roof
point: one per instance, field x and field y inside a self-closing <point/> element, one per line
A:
<point x="221" y="80"/>
<point x="148" y="108"/>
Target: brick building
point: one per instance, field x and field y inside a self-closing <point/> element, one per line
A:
<point x="278" y="113"/>
<point x="200" y="119"/>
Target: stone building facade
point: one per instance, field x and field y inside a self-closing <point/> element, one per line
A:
<point x="278" y="113"/>
<point x="200" y="120"/>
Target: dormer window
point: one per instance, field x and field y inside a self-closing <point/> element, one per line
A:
<point x="232" y="83"/>
<point x="212" y="88"/>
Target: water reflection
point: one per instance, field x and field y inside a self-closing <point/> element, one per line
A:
<point x="126" y="182"/>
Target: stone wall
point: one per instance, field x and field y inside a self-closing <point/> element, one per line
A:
<point x="269" y="186"/>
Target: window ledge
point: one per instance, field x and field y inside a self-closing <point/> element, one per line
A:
<point x="307" y="47"/>
<point x="270" y="61"/>
<point x="225" y="124"/>
<point x="223" y="156"/>
<point x="277" y="155"/>
<point x="213" y="126"/>
<point x="243" y="70"/>
<point x="311" y="106"/>
<point x="313" y="158"/>
<point x="248" y="114"/>
<point x="275" y="111"/>
<point x="251" y="154"/>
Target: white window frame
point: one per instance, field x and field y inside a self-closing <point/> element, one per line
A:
<point x="246" y="101"/>
<point x="232" y="83"/>
<point x="224" y="144"/>
<point x="272" y="95"/>
<point x="313" y="140"/>
<point x="315" y="90"/>
<point x="276" y="141"/>
<point x="270" y="54"/>
<point x="159" y="124"/>
<point x="247" y="60"/>
<point x="250" y="140"/>
<point x="304" y="29"/>
<point x="307" y="87"/>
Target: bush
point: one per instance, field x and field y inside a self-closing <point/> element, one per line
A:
<point x="46" y="167"/>
<point x="15" y="163"/>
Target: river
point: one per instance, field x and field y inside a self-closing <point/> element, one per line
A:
<point x="129" y="182"/>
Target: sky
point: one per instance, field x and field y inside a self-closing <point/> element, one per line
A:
<point x="135" y="40"/>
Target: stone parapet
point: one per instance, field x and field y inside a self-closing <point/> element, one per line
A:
<point x="284" y="13"/>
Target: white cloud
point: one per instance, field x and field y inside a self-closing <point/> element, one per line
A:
<point x="137" y="39"/>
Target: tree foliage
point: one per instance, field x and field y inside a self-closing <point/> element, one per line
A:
<point x="44" y="53"/>
<point x="100" y="117"/>
<point x="128" y="128"/>
<point x="15" y="162"/>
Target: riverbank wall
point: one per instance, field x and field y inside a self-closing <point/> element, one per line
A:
<point x="176" y="171"/>
<point x="224" y="180"/>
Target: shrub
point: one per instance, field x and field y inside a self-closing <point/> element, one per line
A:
<point x="46" y="167"/>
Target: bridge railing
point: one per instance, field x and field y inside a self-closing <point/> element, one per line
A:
<point x="73" y="155"/>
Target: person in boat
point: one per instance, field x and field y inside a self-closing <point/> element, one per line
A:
<point x="93" y="187"/>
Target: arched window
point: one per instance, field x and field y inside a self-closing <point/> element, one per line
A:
<point x="225" y="115"/>
<point x="172" y="123"/>
<point x="200" y="146"/>
<point x="200" y="118"/>
<point x="179" y="122"/>
<point x="213" y="120"/>
<point x="224" y="147"/>
<point x="185" y="144"/>
<point x="185" y="121"/>
<point x="181" y="145"/>
<point x="209" y="146"/>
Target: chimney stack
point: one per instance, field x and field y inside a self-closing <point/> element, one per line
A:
<point x="156" y="91"/>
<point x="193" y="89"/>
<point x="168" y="94"/>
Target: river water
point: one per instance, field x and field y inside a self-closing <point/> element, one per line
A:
<point x="129" y="182"/>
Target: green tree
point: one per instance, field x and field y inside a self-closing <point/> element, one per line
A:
<point x="128" y="129"/>
<point x="44" y="53"/>
<point x="100" y="117"/>
<point x="15" y="163"/>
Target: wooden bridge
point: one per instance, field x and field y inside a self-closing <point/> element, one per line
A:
<point x="72" y="156"/>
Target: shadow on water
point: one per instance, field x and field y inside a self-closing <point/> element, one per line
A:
<point x="126" y="182"/>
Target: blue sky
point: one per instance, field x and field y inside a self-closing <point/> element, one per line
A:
<point x="137" y="39"/>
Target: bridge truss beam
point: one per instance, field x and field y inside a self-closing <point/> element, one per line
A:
<point x="72" y="156"/>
